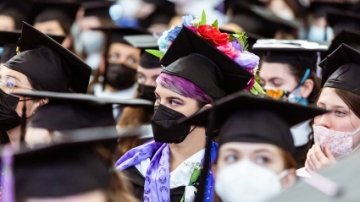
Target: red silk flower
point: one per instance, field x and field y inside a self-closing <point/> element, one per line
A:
<point x="213" y="35"/>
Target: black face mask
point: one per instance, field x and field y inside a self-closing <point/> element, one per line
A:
<point x="8" y="117"/>
<point x="165" y="128"/>
<point x="146" y="92"/>
<point x="120" y="76"/>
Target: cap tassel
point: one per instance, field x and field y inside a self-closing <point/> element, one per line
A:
<point x="7" y="184"/>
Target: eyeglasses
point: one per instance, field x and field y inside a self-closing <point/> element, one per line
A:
<point x="9" y="84"/>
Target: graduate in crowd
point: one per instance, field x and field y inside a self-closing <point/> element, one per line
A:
<point x="195" y="75"/>
<point x="54" y="18"/>
<point x="337" y="134"/>
<point x="42" y="64"/>
<point x="77" y="166"/>
<point x="256" y="148"/>
<point x="12" y="13"/>
<point x="288" y="71"/>
<point x="122" y="60"/>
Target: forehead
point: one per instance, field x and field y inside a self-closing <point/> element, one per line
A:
<point x="247" y="148"/>
<point x="120" y="47"/>
<point x="329" y="97"/>
<point x="152" y="71"/>
<point x="274" y="69"/>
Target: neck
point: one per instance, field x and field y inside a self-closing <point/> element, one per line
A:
<point x="193" y="143"/>
<point x="14" y="136"/>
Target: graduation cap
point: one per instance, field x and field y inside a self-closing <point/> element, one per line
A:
<point x="339" y="182"/>
<point x="258" y="20"/>
<point x="340" y="20"/>
<point x="62" y="11"/>
<point x="97" y="8"/>
<point x="341" y="69"/>
<point x="68" y="111"/>
<point x="321" y="8"/>
<point x="242" y="107"/>
<point x="69" y="166"/>
<point x="243" y="118"/>
<point x="192" y="58"/>
<point x="351" y="38"/>
<point x="298" y="53"/>
<point x="9" y="41"/>
<point x="48" y="64"/>
<point x="117" y="35"/>
<point x="149" y="61"/>
<point x="141" y="41"/>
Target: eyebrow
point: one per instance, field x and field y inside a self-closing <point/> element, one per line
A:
<point x="14" y="77"/>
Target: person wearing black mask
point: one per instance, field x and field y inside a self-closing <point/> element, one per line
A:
<point x="42" y="64"/>
<point x="196" y="74"/>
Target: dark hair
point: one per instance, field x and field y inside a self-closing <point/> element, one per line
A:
<point x="299" y="73"/>
<point x="289" y="161"/>
<point x="352" y="100"/>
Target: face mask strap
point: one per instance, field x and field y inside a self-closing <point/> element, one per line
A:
<point x="303" y="79"/>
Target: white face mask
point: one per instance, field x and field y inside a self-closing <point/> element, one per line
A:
<point x="341" y="144"/>
<point x="246" y="181"/>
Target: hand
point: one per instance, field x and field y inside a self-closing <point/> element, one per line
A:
<point x="316" y="159"/>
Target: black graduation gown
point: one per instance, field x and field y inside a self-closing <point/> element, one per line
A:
<point x="137" y="181"/>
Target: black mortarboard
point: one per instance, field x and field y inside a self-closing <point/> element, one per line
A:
<point x="117" y="34"/>
<point x="253" y="119"/>
<point x="192" y="58"/>
<point x="341" y="69"/>
<point x="336" y="183"/>
<point x="351" y="38"/>
<point x="340" y="20"/>
<point x="62" y="11"/>
<point x="149" y="61"/>
<point x="321" y="8"/>
<point x="68" y="111"/>
<point x="258" y="20"/>
<point x="69" y="166"/>
<point x="49" y="65"/>
<point x="298" y="53"/>
<point x="97" y="8"/>
<point x="9" y="41"/>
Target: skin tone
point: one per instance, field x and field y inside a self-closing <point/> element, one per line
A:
<point x="36" y="136"/>
<point x="262" y="154"/>
<point x="21" y="84"/>
<point x="6" y="23"/>
<point x="147" y="77"/>
<point x="278" y="76"/>
<point x="195" y="141"/>
<point x="341" y="118"/>
<point x="93" y="196"/>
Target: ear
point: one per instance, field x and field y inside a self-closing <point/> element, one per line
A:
<point x="289" y="179"/>
<point x="67" y="42"/>
<point x="35" y="105"/>
<point x="307" y="88"/>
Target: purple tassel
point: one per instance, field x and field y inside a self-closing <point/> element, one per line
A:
<point x="7" y="183"/>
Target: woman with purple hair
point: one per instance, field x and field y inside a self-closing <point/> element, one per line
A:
<point x="169" y="168"/>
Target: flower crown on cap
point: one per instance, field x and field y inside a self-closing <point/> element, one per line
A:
<point x="233" y="45"/>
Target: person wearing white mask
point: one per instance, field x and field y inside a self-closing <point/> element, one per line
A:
<point x="255" y="160"/>
<point x="337" y="134"/>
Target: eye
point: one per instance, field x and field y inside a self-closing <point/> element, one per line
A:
<point x="131" y="61"/>
<point x="262" y="160"/>
<point x="113" y="57"/>
<point x="231" y="158"/>
<point x="175" y="102"/>
<point x="10" y="83"/>
<point x="340" y="113"/>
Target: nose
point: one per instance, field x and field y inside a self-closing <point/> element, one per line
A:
<point x="323" y="120"/>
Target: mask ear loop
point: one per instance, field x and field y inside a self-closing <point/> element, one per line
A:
<point x="302" y="81"/>
<point x="356" y="133"/>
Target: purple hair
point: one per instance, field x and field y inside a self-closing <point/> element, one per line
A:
<point x="183" y="87"/>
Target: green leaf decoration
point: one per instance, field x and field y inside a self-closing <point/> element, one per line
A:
<point x="203" y="18"/>
<point x="155" y="53"/>
<point x="216" y="24"/>
<point x="242" y="38"/>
